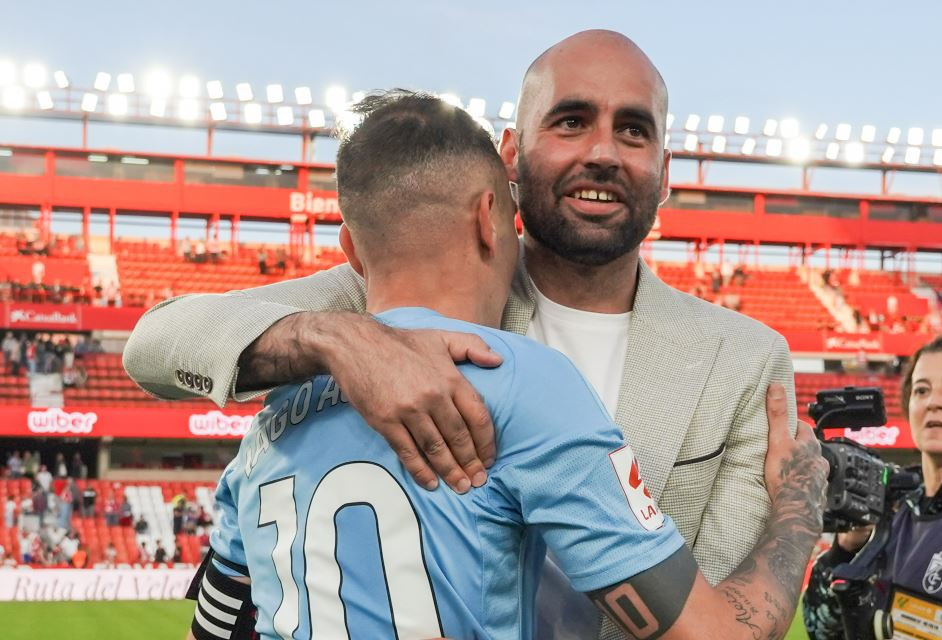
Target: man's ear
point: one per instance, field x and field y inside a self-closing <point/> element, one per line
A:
<point x="485" y="208"/>
<point x="346" y="243"/>
<point x="509" y="143"/>
<point x="666" y="178"/>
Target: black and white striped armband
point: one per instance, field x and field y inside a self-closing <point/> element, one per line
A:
<point x="224" y="609"/>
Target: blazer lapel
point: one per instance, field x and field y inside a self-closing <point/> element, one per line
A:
<point x="668" y="362"/>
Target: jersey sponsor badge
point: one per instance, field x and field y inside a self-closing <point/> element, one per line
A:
<point x="932" y="581"/>
<point x="642" y="504"/>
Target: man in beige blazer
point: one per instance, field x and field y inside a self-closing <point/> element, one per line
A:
<point x="589" y="160"/>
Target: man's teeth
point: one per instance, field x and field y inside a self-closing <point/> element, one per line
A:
<point x="592" y="194"/>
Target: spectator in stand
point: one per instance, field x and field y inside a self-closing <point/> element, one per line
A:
<point x="66" y="505"/>
<point x="111" y="512"/>
<point x="89" y="496"/>
<point x="716" y="281"/>
<point x="9" y="513"/>
<point x="726" y="272"/>
<point x="16" y="356"/>
<point x="60" y="468"/>
<point x="15" y="465"/>
<point x="44" y="478"/>
<point x="9" y="345"/>
<point x="282" y="260"/>
<point x="739" y="276"/>
<point x="126" y="517"/>
<point x="177" y="555"/>
<point x="145" y="555"/>
<point x="199" y="255"/>
<point x="141" y="525"/>
<point x="179" y="504"/>
<point x="160" y="554"/>
<point x="69" y="545"/>
<point x="80" y="557"/>
<point x="40" y="502"/>
<point x="187" y="249"/>
<point x="262" y="261"/>
<point x="31" y="355"/>
<point x="39" y="272"/>
<point x="111" y="556"/>
<point x="56" y="292"/>
<point x="213" y="246"/>
<point x="77" y="465"/>
<point x="30" y="468"/>
<point x="204" y="543"/>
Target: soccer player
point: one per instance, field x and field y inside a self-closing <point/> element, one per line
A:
<point x="337" y="541"/>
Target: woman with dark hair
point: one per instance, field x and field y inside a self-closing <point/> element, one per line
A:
<point x="910" y="583"/>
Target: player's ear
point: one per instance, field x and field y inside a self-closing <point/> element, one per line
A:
<point x="349" y="248"/>
<point x="485" y="209"/>
<point x="508" y="152"/>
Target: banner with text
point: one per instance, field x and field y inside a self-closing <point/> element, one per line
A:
<point x="33" y="585"/>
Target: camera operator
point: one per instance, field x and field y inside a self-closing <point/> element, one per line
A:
<point x="910" y="579"/>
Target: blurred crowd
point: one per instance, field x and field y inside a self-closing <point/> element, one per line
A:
<point x="48" y="353"/>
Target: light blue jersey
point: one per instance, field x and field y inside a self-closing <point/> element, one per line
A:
<point x="340" y="542"/>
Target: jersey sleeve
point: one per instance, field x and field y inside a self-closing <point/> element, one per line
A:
<point x="226" y="539"/>
<point x="566" y="472"/>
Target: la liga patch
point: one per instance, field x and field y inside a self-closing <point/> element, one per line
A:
<point x="639" y="498"/>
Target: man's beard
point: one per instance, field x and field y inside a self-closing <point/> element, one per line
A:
<point x="540" y="200"/>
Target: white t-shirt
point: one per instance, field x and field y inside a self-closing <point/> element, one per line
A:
<point x="597" y="343"/>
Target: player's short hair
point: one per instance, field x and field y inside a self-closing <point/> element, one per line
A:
<point x="412" y="153"/>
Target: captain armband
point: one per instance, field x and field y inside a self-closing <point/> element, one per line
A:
<point x="224" y="609"/>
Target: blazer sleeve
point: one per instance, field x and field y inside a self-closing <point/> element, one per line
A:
<point x="188" y="347"/>
<point x="739" y="506"/>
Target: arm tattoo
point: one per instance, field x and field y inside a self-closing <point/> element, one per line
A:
<point x="649" y="603"/>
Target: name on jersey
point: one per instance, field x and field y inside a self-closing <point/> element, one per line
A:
<point x="642" y="505"/>
<point x="270" y="424"/>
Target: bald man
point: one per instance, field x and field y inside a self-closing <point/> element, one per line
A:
<point x="685" y="380"/>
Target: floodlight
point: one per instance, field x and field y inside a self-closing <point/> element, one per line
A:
<point x="158" y="84"/>
<point x="799" y="149"/>
<point x="217" y="111"/>
<point x="189" y="87"/>
<point x="912" y="155"/>
<point x="715" y="124"/>
<point x="770" y="127"/>
<point x="303" y="95"/>
<point x="62" y="80"/>
<point x="253" y="112"/>
<point x="477" y="107"/>
<point x="89" y="102"/>
<point x="893" y="136"/>
<point x="214" y="90"/>
<point x="97" y="157"/>
<point x="937" y="137"/>
<point x="868" y="133"/>
<point x="788" y="128"/>
<point x="7" y="73"/>
<point x="118" y="104"/>
<point x="915" y="136"/>
<point x="285" y="115"/>
<point x="833" y="151"/>
<point x="14" y="98"/>
<point x="669" y="122"/>
<point x="511" y="125"/>
<point x="741" y="126"/>
<point x="44" y="98"/>
<point x="244" y="92"/>
<point x="6" y="153"/>
<point x="134" y="160"/>
<point x="693" y="121"/>
<point x="336" y="99"/>
<point x="719" y="144"/>
<point x="773" y="147"/>
<point x="316" y="119"/>
<point x="34" y="75"/>
<point x="274" y="93"/>
<point x="485" y="124"/>
<point x="748" y="146"/>
<point x="842" y="132"/>
<point x="691" y="142"/>
<point x="667" y="141"/>
<point x="854" y="152"/>
<point x="125" y="83"/>
<point x="357" y="97"/>
<point x="507" y="110"/>
<point x="887" y="155"/>
<point x="158" y="107"/>
<point x="450" y="98"/>
<point x="188" y="109"/>
<point x="821" y="131"/>
<point x="937" y="158"/>
<point x="102" y="81"/>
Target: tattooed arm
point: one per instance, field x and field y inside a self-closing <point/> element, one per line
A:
<point x="674" y="601"/>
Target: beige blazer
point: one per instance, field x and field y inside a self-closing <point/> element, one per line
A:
<point x="691" y="405"/>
